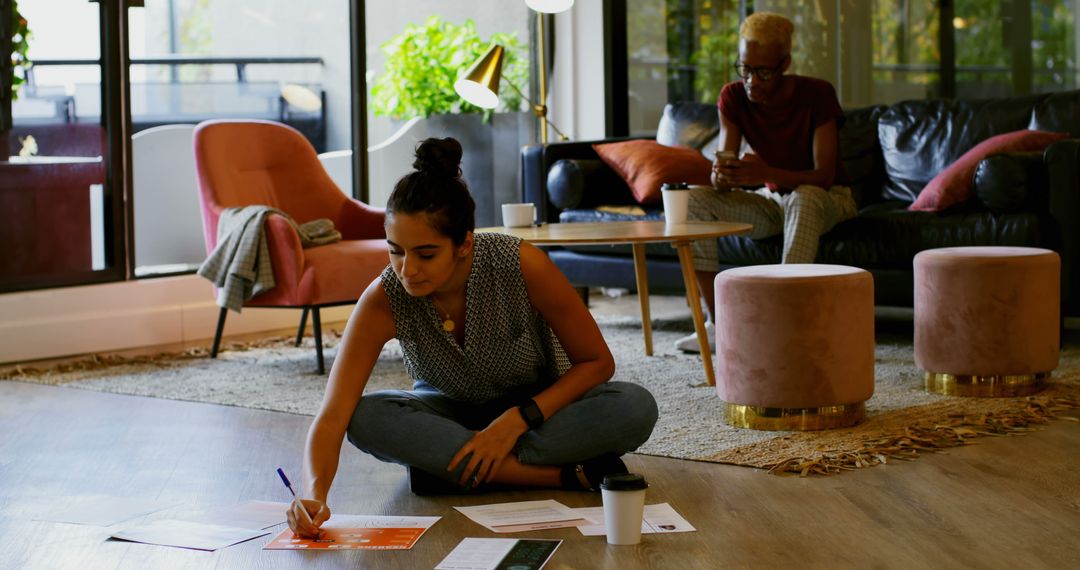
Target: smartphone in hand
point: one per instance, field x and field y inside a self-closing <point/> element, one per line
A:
<point x="726" y="155"/>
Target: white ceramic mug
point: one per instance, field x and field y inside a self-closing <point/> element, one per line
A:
<point x="518" y="215"/>
<point x="676" y="204"/>
<point x="624" y="507"/>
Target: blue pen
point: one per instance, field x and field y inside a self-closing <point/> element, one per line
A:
<point x="288" y="486"/>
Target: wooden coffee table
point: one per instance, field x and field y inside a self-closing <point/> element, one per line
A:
<point x="638" y="234"/>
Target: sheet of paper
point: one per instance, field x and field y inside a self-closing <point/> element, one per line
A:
<point x="249" y="514"/>
<point x="523" y="516"/>
<point x="359" y="532"/>
<point x="99" y="510"/>
<point x="657" y="519"/>
<point x="494" y="553"/>
<point x="187" y="534"/>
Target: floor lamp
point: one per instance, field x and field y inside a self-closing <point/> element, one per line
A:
<point x="480" y="84"/>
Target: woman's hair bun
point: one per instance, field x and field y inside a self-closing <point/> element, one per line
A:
<point x="439" y="156"/>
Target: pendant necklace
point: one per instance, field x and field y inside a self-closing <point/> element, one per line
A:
<point x="448" y="323"/>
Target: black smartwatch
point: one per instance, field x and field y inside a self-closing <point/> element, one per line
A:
<point x="531" y="413"/>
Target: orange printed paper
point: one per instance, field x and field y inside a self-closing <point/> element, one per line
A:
<point x="344" y="532"/>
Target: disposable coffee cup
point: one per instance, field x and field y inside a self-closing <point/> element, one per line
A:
<point x="518" y="215"/>
<point x="676" y="202"/>
<point x="624" y="507"/>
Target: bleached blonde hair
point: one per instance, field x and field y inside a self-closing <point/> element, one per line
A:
<point x="767" y="28"/>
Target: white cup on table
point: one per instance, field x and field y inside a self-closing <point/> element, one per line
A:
<point x="519" y="215"/>
<point x="676" y="202"/>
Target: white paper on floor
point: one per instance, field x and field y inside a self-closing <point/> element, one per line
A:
<point x="187" y="534"/>
<point x="523" y="516"/>
<point x="658" y="519"/>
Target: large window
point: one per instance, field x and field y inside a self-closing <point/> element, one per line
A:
<point x="873" y="51"/>
<point x="97" y="181"/>
<point x="97" y="178"/>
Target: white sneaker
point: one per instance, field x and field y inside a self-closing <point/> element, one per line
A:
<point x="690" y="343"/>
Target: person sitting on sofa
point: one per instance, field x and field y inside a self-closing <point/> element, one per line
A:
<point x="790" y="122"/>
<point x="510" y="370"/>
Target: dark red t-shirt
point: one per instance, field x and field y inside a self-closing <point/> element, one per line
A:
<point x="783" y="135"/>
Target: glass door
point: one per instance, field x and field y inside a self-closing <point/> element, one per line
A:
<point x="57" y="197"/>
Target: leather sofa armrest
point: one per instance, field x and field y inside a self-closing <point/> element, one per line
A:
<point x="537" y="160"/>
<point x="1012" y="182"/>
<point x="581" y="184"/>
<point x="567" y="180"/>
<point x="1063" y="168"/>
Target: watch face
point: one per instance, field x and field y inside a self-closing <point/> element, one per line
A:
<point x="532" y="414"/>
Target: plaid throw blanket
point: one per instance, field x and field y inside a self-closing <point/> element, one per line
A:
<point x="240" y="264"/>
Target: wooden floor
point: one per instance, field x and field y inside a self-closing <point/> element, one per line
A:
<point x="1004" y="503"/>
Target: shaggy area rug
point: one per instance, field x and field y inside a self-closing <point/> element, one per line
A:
<point x="902" y="420"/>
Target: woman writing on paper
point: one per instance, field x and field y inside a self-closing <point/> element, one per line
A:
<point x="510" y="369"/>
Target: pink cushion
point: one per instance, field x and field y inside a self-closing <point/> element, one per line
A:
<point x="794" y="335"/>
<point x="953" y="185"/>
<point x="646" y="164"/>
<point x="986" y="311"/>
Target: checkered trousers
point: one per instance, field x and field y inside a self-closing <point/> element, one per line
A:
<point x="801" y="215"/>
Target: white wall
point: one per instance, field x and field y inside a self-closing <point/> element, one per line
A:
<point x="577" y="91"/>
<point x="117" y="316"/>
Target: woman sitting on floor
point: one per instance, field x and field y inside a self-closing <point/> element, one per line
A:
<point x="511" y="371"/>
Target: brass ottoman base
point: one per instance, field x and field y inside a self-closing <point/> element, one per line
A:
<point x="995" y="386"/>
<point x="795" y="419"/>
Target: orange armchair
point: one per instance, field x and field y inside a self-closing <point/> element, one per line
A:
<point x="249" y="162"/>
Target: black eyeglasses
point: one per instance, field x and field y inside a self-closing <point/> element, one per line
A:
<point x="763" y="73"/>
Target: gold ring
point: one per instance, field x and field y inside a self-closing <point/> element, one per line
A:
<point x="795" y="419"/>
<point x="985" y="386"/>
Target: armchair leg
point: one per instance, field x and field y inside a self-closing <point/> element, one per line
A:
<point x="303" y="323"/>
<point x="317" y="325"/>
<point x="217" y="333"/>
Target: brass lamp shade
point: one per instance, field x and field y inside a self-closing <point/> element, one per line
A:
<point x="480" y="84"/>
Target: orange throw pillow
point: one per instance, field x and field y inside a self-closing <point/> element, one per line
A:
<point x="953" y="185"/>
<point x="646" y="164"/>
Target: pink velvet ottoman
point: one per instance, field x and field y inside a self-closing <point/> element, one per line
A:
<point x="794" y="345"/>
<point x="987" y="319"/>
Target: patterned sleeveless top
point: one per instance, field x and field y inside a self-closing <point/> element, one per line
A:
<point x="507" y="343"/>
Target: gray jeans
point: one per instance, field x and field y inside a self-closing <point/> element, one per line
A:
<point x="802" y="215"/>
<point x="423" y="428"/>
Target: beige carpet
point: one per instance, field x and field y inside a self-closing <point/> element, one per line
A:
<point x="903" y="421"/>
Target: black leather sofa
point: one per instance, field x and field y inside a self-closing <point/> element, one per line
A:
<point x="889" y="153"/>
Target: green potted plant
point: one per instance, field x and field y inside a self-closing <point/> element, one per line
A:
<point x="13" y="69"/>
<point x="20" y="46"/>
<point x="424" y="61"/>
<point x="422" y="64"/>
